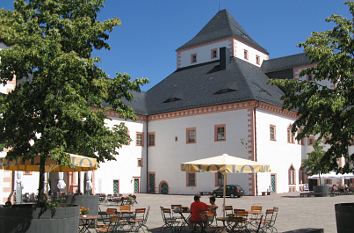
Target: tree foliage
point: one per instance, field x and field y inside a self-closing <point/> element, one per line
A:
<point x="58" y="101"/>
<point x="325" y="103"/>
<point x="315" y="164"/>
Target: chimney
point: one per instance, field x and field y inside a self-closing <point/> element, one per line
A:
<point x="224" y="57"/>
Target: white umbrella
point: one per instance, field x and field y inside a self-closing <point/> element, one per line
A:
<point x="61" y="184"/>
<point x="225" y="164"/>
<point x="333" y="175"/>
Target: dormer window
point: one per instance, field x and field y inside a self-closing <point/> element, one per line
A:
<point x="258" y="60"/>
<point x="223" y="91"/>
<point x="172" y="99"/>
<point x="193" y="58"/>
<point x="214" y="53"/>
<point x="245" y="54"/>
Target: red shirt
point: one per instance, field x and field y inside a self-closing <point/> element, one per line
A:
<point x="197" y="208"/>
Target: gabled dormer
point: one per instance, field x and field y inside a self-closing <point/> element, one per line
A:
<point x="221" y="31"/>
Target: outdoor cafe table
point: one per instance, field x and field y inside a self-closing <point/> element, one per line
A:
<point x="86" y="221"/>
<point x="184" y="212"/>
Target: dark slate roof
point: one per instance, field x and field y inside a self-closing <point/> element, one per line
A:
<point x="138" y="103"/>
<point x="195" y="86"/>
<point x="220" y="26"/>
<point x="284" y="63"/>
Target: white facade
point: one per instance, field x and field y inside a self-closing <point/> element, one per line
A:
<point x="125" y="168"/>
<point x="171" y="148"/>
<point x="279" y="154"/>
<point x="239" y="49"/>
<point x="203" y="52"/>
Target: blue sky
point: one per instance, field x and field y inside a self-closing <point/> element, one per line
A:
<point x="144" y="45"/>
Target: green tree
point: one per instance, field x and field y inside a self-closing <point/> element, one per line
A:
<point x="326" y="110"/>
<point x="58" y="103"/>
<point x="314" y="164"/>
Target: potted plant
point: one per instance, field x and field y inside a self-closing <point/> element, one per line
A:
<point x="56" y="107"/>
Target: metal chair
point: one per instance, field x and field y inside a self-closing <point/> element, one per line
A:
<point x="140" y="219"/>
<point x="169" y="222"/>
<point x="229" y="212"/>
<point x="267" y="225"/>
<point x="110" y="227"/>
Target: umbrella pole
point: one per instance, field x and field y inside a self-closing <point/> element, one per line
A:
<point x="223" y="205"/>
<point x="79" y="182"/>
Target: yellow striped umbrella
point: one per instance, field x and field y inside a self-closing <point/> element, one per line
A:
<point x="225" y="164"/>
<point x="77" y="163"/>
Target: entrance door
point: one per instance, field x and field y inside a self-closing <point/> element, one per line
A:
<point x="136" y="185"/>
<point x="273" y="182"/>
<point x="151" y="183"/>
<point x="163" y="187"/>
<point x="115" y="186"/>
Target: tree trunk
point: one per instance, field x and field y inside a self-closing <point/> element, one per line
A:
<point x="41" y="197"/>
<point x="319" y="177"/>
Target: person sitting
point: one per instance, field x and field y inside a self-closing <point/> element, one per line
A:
<point x="334" y="189"/>
<point x="211" y="214"/>
<point x="197" y="210"/>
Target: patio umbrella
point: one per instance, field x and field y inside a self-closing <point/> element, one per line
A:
<point x="224" y="164"/>
<point x="77" y="163"/>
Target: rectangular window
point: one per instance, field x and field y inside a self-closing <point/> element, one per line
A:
<point x="194" y="58"/>
<point x="245" y="54"/>
<point x="219" y="133"/>
<point x="191" y="135"/>
<point x="258" y="60"/>
<point x="139" y="139"/>
<point x="219" y="179"/>
<point x="140" y="162"/>
<point x="272" y="132"/>
<point x="291" y="136"/>
<point x="214" y="53"/>
<point x="191" y="182"/>
<point x="151" y="139"/>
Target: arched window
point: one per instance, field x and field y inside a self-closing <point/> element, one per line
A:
<point x="302" y="176"/>
<point x="291" y="175"/>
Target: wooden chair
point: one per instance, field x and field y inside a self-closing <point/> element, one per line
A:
<point x="267" y="225"/>
<point x="241" y="221"/>
<point x="229" y="212"/>
<point x="105" y="216"/>
<point x="125" y="207"/>
<point x="139" y="220"/>
<point x="169" y="222"/>
<point x="111" y="226"/>
<point x="256" y="208"/>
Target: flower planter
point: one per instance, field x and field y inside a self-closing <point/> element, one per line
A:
<point x="87" y="201"/>
<point x="344" y="217"/>
<point x="32" y="219"/>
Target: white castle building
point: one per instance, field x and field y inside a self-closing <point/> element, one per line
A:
<point x="217" y="101"/>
